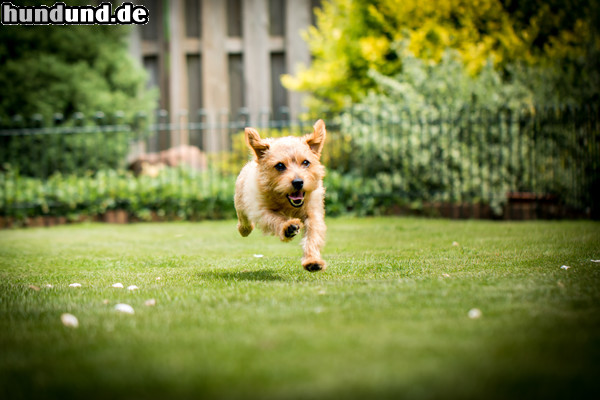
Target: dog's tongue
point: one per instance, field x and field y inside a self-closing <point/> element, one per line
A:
<point x="297" y="196"/>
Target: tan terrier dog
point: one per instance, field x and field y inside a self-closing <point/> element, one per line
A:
<point x="282" y="191"/>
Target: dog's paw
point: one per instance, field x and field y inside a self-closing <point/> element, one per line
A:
<point x="314" y="265"/>
<point x="245" y="230"/>
<point x="291" y="229"/>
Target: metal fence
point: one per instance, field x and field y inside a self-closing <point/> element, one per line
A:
<point x="467" y="163"/>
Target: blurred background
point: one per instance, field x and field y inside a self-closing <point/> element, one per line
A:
<point x="463" y="109"/>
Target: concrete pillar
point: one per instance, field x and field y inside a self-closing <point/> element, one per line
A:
<point x="257" y="60"/>
<point x="135" y="43"/>
<point x="178" y="80"/>
<point x="135" y="49"/>
<point x="215" y="79"/>
<point x="298" y="18"/>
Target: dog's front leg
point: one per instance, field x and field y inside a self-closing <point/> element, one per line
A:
<point x="314" y="239"/>
<point x="280" y="225"/>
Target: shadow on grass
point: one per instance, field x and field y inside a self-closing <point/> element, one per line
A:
<point x="263" y="275"/>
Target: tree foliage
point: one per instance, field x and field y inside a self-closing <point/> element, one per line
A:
<point x="67" y="69"/>
<point x="54" y="75"/>
<point x="352" y="37"/>
<point x="436" y="133"/>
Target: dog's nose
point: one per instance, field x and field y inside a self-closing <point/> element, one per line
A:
<point x="297" y="183"/>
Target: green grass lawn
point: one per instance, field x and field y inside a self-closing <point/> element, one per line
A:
<point x="388" y="319"/>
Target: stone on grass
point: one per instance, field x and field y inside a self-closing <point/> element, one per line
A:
<point x="69" y="320"/>
<point x="124" y="308"/>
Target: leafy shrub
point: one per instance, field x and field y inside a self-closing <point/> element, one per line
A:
<point x="174" y="193"/>
<point x="435" y="133"/>
<point x="51" y="77"/>
<point x="352" y="38"/>
<point x="67" y="149"/>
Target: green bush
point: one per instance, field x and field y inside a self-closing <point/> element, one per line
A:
<point x="437" y="134"/>
<point x="174" y="193"/>
<point x="68" y="150"/>
<point x="555" y="46"/>
<point x="51" y="77"/>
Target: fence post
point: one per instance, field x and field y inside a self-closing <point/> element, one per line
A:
<point x="178" y="91"/>
<point x="257" y="62"/>
<point x="215" y="88"/>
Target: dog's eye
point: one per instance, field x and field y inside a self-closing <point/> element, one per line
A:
<point x="306" y="163"/>
<point x="280" y="167"/>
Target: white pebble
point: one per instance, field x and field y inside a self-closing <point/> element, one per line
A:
<point x="124" y="308"/>
<point x="132" y="287"/>
<point x="69" y="320"/>
<point x="117" y="285"/>
<point x="475" y="313"/>
<point x="75" y="285"/>
<point x="150" y="302"/>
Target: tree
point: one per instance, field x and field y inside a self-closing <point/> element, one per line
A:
<point x="67" y="69"/>
<point x="353" y="37"/>
<point x="70" y="71"/>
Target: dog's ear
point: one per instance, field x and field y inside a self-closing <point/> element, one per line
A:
<point x="316" y="140"/>
<point x="256" y="143"/>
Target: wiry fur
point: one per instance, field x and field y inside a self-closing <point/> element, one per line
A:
<point x="261" y="191"/>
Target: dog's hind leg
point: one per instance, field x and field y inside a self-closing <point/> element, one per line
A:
<point x="314" y="239"/>
<point x="244" y="225"/>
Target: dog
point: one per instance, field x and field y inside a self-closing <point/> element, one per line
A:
<point x="281" y="191"/>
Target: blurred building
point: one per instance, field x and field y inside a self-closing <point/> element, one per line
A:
<point x="221" y="55"/>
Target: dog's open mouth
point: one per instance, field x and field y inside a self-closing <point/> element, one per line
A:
<point x="296" y="199"/>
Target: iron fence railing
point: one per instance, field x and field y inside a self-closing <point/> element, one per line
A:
<point x="381" y="160"/>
